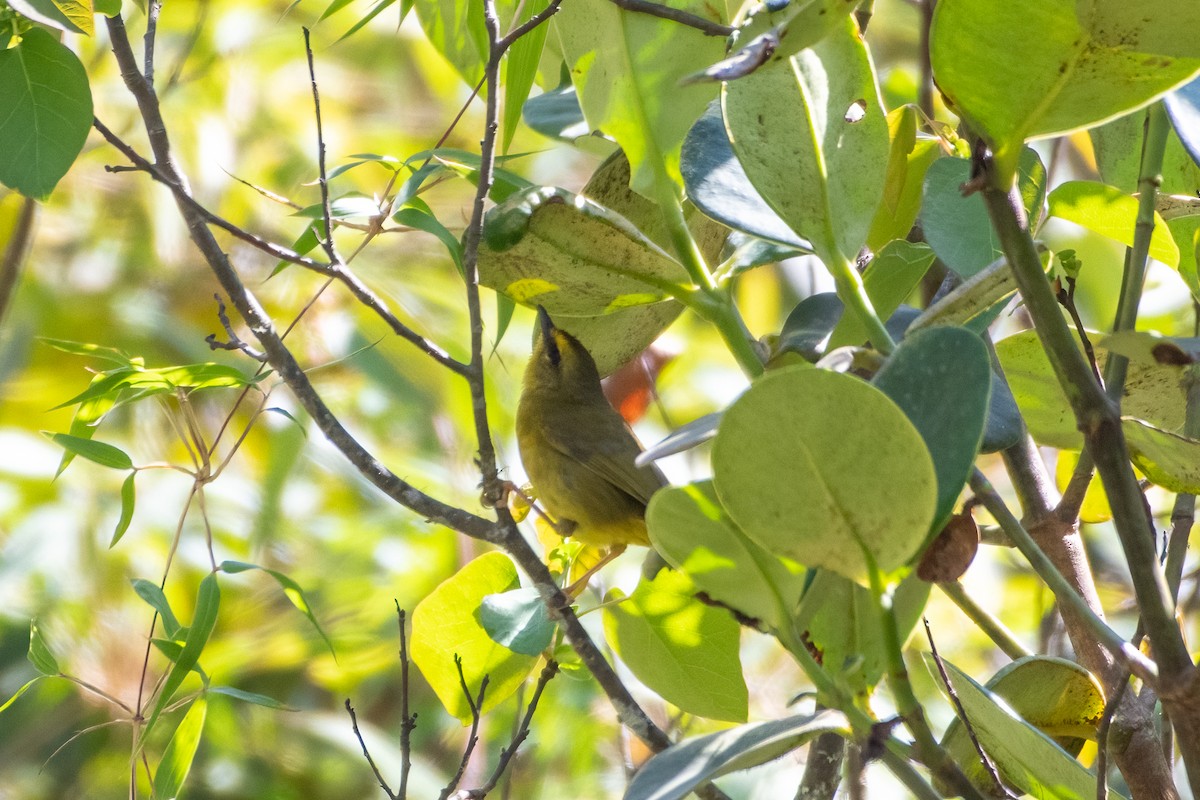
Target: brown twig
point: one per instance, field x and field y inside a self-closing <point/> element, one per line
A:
<point x="367" y="753"/>
<point x="235" y="342"/>
<point x="705" y="26"/>
<point x="522" y="732"/>
<point x="475" y="704"/>
<point x="357" y="288"/>
<point x="408" y="721"/>
<point x="997" y="784"/>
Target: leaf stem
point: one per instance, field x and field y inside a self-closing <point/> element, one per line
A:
<point x="853" y="294"/>
<point x="994" y="628"/>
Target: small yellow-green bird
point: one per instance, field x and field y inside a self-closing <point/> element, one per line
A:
<point x="578" y="451"/>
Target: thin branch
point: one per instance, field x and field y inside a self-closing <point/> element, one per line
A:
<point x="1110" y="710"/>
<point x="1000" y="635"/>
<point x="822" y="767"/>
<point x="358" y="289"/>
<point x="989" y="767"/>
<point x="475" y="704"/>
<point x="260" y="324"/>
<point x="1099" y="420"/>
<point x="705" y="26"/>
<point x="366" y="753"/>
<point x="522" y="732"/>
<point x="407" y="721"/>
<point x="153" y="8"/>
<point x="322" y="178"/>
<point x="235" y="342"/>
<point x="1063" y="591"/>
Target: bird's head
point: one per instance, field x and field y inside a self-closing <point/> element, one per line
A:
<point x="560" y="364"/>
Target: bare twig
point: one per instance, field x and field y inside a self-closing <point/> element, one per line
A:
<point x="407" y="721"/>
<point x="322" y="179"/>
<point x="366" y="753"/>
<point x="475" y="704"/>
<point x="235" y="342"/>
<point x="1066" y="298"/>
<point x="705" y="26"/>
<point x="358" y="289"/>
<point x="997" y="784"/>
<point x="522" y="732"/>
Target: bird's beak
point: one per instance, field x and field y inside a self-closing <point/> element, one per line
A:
<point x="549" y="342"/>
<point x="545" y="323"/>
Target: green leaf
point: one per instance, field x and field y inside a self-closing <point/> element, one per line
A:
<point x="1025" y="757"/>
<point x="1152" y="391"/>
<point x="717" y="184"/>
<point x="350" y="206"/>
<point x="586" y="265"/>
<point x="825" y="469"/>
<point x="119" y="357"/>
<point x="103" y="454"/>
<point x="85" y="421"/>
<point x="627" y="67"/>
<point x="250" y="697"/>
<point x="180" y="753"/>
<point x="445" y="626"/>
<point x="1167" y="459"/>
<point x="909" y="156"/>
<point x="518" y="620"/>
<point x="889" y="279"/>
<point x="1111" y="213"/>
<point x="556" y="115"/>
<point x="18" y="693"/>
<point x="676" y="771"/>
<point x="684" y="650"/>
<point x="1059" y="697"/>
<point x="941" y="379"/>
<point x="127" y="504"/>
<point x="819" y="112"/>
<point x="208" y="602"/>
<point x="841" y="621"/>
<point x="695" y="535"/>
<point x="417" y="214"/>
<point x="375" y="11"/>
<point x="1066" y="66"/>
<point x="154" y="597"/>
<point x="69" y="16"/>
<point x="457" y="31"/>
<point x="957" y="227"/>
<point x="521" y="68"/>
<point x="39" y="653"/>
<point x="148" y="382"/>
<point x="291" y="590"/>
<point x="48" y="113"/>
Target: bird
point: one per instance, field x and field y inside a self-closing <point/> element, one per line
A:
<point x="578" y="451"/>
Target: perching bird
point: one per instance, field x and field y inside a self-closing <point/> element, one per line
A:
<point x="578" y="451"/>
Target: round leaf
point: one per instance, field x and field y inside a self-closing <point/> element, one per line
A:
<point x="1065" y="66"/>
<point x="684" y="650"/>
<point x="941" y="378"/>
<point x="445" y="626"/>
<point x="825" y="469"/>
<point x="694" y="534"/>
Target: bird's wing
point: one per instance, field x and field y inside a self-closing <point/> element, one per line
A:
<point x="610" y="453"/>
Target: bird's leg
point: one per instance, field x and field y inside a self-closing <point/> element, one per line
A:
<point x="576" y="588"/>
